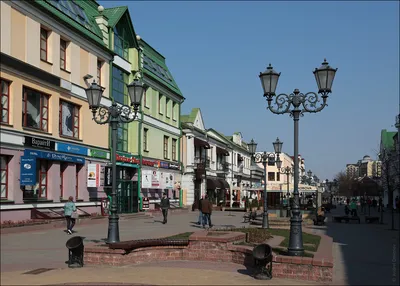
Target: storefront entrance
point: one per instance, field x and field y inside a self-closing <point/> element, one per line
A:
<point x="127" y="190"/>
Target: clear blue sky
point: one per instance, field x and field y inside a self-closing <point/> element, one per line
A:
<point x="215" y="51"/>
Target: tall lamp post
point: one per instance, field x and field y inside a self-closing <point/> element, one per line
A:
<point x="113" y="115"/>
<point x="297" y="104"/>
<point x="265" y="159"/>
<point x="288" y="171"/>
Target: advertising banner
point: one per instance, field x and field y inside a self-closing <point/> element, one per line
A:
<point x="28" y="171"/>
<point x="146" y="179"/>
<point x="93" y="178"/>
<point x="155" y="179"/>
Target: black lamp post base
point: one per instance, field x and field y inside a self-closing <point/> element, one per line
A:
<point x="265" y="223"/>
<point x="295" y="252"/>
<point x="263" y="276"/>
<point x="113" y="229"/>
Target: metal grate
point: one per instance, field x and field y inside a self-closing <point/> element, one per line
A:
<point x="38" y="271"/>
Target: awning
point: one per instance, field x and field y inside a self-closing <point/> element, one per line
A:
<point x="201" y="143"/>
<point x="224" y="183"/>
<point x="222" y="151"/>
<point x="213" y="184"/>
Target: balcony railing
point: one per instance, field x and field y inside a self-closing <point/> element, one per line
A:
<point x="222" y="167"/>
<point x="201" y="163"/>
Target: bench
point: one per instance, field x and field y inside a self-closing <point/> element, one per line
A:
<point x="251" y="216"/>
<point x="134" y="244"/>
<point x="347" y="219"/>
<point x="370" y="219"/>
<point x="247" y="216"/>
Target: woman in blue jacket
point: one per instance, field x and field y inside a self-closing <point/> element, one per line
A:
<point x="69" y="212"/>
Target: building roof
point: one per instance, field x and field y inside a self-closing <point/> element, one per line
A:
<point x="88" y="27"/>
<point x="114" y="14"/>
<point x="155" y="67"/>
<point x="191" y="117"/>
<point x="387" y="141"/>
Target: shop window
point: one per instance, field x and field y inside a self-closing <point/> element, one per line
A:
<point x="63" y="54"/>
<point x="35" y="107"/>
<point x="43" y="168"/>
<point x="3" y="177"/>
<point x="63" y="167"/>
<point x="271" y="176"/>
<point x="69" y="119"/>
<point x="174" y="149"/>
<point x="77" y="170"/>
<point x="44" y="35"/>
<point x="166" y="139"/>
<point x="5" y="100"/>
<point x="145" y="134"/>
<point x="122" y="134"/>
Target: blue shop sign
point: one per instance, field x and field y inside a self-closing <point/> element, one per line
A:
<point x="73" y="149"/>
<point x="54" y="156"/>
<point x="28" y="171"/>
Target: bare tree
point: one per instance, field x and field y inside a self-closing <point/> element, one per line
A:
<point x="344" y="184"/>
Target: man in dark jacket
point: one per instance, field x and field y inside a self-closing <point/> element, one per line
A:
<point x="164" y="207"/>
<point x="206" y="209"/>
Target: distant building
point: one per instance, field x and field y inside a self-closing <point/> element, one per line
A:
<point x="352" y="170"/>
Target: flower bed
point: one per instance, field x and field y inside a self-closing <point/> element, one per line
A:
<point x="221" y="248"/>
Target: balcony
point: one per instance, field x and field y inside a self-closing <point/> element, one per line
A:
<point x="240" y="168"/>
<point x="222" y="167"/>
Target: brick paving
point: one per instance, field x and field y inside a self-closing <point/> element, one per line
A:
<point x="364" y="254"/>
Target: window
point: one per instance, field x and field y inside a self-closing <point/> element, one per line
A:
<point x="4" y="177"/>
<point x="174" y="150"/>
<point x="166" y="138"/>
<point x="5" y="101"/>
<point x="69" y="119"/>
<point x="35" y="107"/>
<point x="63" y="54"/>
<point x="119" y="88"/>
<point x="77" y="170"/>
<point x="43" y="168"/>
<point x="73" y="10"/>
<point x="145" y="133"/>
<point x="173" y="111"/>
<point x="167" y="113"/>
<point x="122" y="134"/>
<point x="271" y="176"/>
<point x="63" y="167"/>
<point x="145" y="98"/>
<point x="121" y="34"/>
<point x="159" y="103"/>
<point x="99" y="65"/>
<point x="278" y="176"/>
<point x="43" y="44"/>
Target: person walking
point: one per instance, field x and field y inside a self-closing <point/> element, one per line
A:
<point x="200" y="222"/>
<point x="164" y="207"/>
<point x="70" y="214"/>
<point x="353" y="207"/>
<point x="206" y="209"/>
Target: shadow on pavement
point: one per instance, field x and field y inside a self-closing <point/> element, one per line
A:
<point x="365" y="254"/>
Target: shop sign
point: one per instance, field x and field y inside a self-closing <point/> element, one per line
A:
<point x="146" y="179"/>
<point x="107" y="176"/>
<point x="73" y="149"/>
<point x="151" y="163"/>
<point x="164" y="165"/>
<point x="40" y="143"/>
<point x="93" y="177"/>
<point x="101" y="154"/>
<point x="54" y="156"/>
<point x="146" y="204"/>
<point x="28" y="171"/>
<point x="174" y="166"/>
<point x="167" y="181"/>
<point x="127" y="158"/>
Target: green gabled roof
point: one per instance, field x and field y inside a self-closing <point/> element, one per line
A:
<point x="191" y="117"/>
<point x="94" y="33"/>
<point x="114" y="14"/>
<point x="387" y="139"/>
<point x="154" y="66"/>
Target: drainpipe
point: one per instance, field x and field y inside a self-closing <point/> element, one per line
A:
<point x="179" y="155"/>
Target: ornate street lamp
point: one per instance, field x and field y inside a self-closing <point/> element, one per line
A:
<point x="265" y="159"/>
<point x="295" y="104"/>
<point x="113" y="115"/>
<point x="288" y="171"/>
